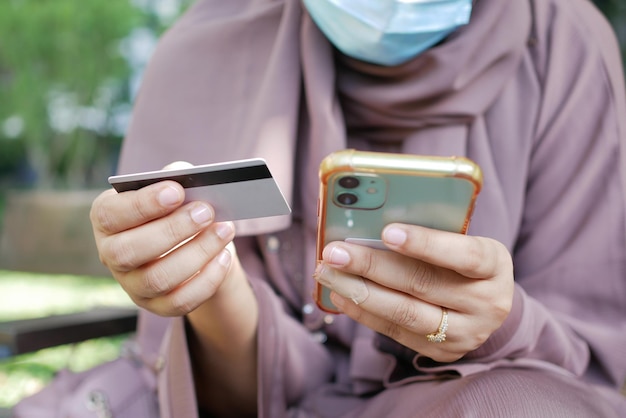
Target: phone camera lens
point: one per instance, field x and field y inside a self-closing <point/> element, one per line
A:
<point x="349" y="182"/>
<point x="347" y="198"/>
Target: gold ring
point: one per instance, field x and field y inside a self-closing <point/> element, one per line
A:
<point x="440" y="335"/>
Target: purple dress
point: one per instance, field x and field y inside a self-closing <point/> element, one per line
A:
<point x="532" y="90"/>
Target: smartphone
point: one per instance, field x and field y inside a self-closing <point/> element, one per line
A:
<point x="242" y="189"/>
<point x="361" y="192"/>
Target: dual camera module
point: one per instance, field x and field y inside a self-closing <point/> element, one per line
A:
<point x="345" y="197"/>
<point x="359" y="191"/>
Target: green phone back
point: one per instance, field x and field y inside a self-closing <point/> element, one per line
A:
<point x="356" y="203"/>
<point x="436" y="202"/>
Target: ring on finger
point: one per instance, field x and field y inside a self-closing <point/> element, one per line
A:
<point x="439" y="336"/>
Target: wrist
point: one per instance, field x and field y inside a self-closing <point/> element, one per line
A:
<point x="496" y="343"/>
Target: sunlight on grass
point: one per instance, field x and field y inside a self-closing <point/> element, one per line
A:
<point x="26" y="295"/>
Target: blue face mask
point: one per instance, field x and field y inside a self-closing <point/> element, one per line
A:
<point x="387" y="32"/>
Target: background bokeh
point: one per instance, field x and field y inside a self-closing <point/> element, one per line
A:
<point x="69" y="70"/>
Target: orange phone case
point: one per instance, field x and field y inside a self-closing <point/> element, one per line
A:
<point x="361" y="192"/>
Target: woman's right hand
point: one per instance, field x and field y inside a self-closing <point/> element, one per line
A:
<point x="169" y="257"/>
<point x="174" y="260"/>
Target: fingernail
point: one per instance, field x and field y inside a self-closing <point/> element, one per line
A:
<point x="345" y="284"/>
<point x="321" y="274"/>
<point x="224" y="258"/>
<point x="394" y="236"/>
<point x="169" y="196"/>
<point x="224" y="230"/>
<point x="338" y="256"/>
<point x="201" y="214"/>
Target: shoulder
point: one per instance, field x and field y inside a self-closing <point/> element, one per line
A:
<point x="578" y="66"/>
<point x="580" y="14"/>
<point x="573" y="29"/>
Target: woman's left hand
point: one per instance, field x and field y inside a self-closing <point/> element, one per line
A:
<point x="402" y="293"/>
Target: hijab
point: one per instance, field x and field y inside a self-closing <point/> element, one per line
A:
<point x="256" y="78"/>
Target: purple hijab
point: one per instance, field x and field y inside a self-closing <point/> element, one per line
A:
<point x="532" y="90"/>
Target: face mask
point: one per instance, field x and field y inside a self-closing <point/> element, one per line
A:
<point x="387" y="32"/>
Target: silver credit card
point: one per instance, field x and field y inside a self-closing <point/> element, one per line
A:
<point x="243" y="189"/>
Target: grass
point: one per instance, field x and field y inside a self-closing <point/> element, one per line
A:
<point x="27" y="295"/>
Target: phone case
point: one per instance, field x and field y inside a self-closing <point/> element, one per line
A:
<point x="361" y="192"/>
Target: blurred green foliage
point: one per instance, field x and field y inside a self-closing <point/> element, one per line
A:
<point x="61" y="75"/>
<point x="610" y="7"/>
<point x="64" y="84"/>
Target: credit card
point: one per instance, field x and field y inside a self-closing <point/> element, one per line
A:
<point x="243" y="189"/>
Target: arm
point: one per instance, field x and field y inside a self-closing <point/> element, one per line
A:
<point x="247" y="354"/>
<point x="570" y="252"/>
<point x="172" y="260"/>
<point x="568" y="300"/>
<point x="223" y="348"/>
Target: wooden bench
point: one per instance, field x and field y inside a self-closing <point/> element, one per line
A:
<point x="27" y="335"/>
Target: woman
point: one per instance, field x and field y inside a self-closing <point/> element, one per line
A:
<point x="535" y="294"/>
